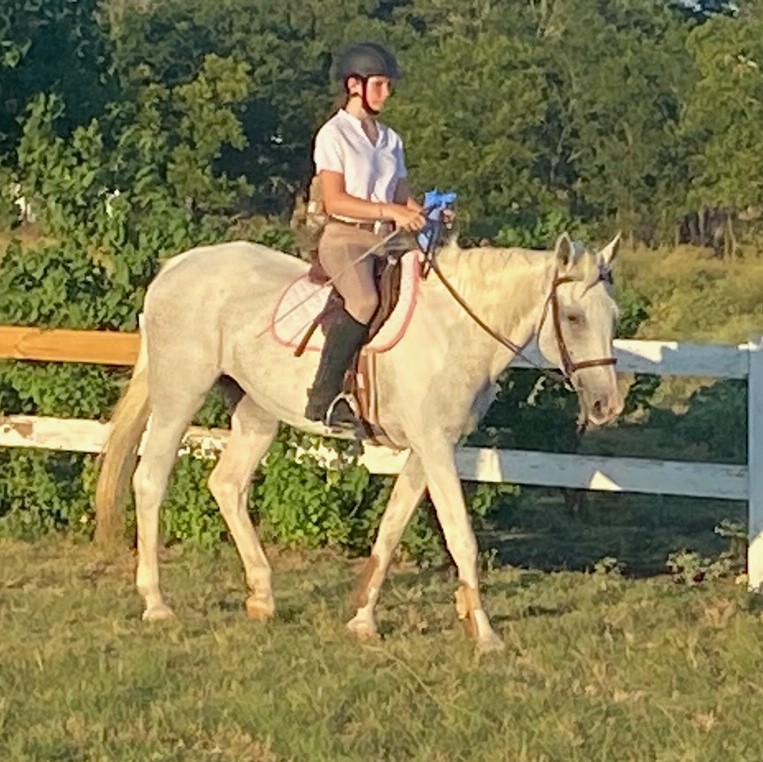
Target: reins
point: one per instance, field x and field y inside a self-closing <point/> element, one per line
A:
<point x="569" y="366"/>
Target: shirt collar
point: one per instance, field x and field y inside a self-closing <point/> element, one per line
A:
<point x="347" y="116"/>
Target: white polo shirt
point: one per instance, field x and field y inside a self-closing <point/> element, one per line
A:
<point x="371" y="172"/>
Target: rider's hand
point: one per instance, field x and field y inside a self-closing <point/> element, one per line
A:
<point x="406" y="218"/>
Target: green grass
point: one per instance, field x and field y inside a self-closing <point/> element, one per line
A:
<point x="641" y="531"/>
<point x="597" y="666"/>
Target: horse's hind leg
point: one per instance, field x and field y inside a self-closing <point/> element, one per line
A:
<point x="252" y="432"/>
<point x="408" y="491"/>
<point x="171" y="411"/>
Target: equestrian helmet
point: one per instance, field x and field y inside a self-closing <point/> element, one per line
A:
<point x="364" y="60"/>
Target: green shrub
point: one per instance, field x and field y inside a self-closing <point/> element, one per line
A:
<point x="716" y="417"/>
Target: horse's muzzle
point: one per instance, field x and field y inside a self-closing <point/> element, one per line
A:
<point x="603" y="409"/>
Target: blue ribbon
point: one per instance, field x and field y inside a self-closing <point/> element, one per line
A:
<point x="434" y="205"/>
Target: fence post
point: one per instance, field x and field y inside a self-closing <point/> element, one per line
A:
<point x="755" y="465"/>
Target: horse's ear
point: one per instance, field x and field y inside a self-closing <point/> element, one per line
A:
<point x="565" y="253"/>
<point x="606" y="256"/>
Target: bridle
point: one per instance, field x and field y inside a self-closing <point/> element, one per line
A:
<point x="568" y="365"/>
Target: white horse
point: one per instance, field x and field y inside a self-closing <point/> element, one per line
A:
<point x="207" y="314"/>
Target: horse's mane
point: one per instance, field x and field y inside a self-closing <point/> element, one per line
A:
<point x="501" y="284"/>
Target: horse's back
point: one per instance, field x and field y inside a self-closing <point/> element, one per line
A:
<point x="232" y="268"/>
<point x="233" y="258"/>
<point x="203" y="288"/>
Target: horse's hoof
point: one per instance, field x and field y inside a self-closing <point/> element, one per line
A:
<point x="362" y="629"/>
<point x="490" y="644"/>
<point x="260" y="610"/>
<point x="158" y="613"/>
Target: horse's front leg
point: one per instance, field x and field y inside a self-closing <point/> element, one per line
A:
<point x="407" y="493"/>
<point x="438" y="459"/>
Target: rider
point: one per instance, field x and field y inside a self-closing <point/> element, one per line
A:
<point x="361" y="166"/>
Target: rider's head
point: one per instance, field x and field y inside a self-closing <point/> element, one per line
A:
<point x="367" y="71"/>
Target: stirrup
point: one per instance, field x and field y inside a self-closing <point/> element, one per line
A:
<point x="354" y="424"/>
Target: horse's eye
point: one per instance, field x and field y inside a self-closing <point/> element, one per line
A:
<point x="574" y="318"/>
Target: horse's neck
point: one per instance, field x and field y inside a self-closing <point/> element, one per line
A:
<point x="505" y="288"/>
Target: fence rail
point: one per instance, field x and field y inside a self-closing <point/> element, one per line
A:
<point x="65" y="345"/>
<point x="664" y="358"/>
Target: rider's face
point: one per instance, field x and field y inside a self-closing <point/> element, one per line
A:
<point x="378" y="89"/>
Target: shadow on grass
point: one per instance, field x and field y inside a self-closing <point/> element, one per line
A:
<point x="638" y="532"/>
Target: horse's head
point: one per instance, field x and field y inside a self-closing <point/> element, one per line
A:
<point x="577" y="327"/>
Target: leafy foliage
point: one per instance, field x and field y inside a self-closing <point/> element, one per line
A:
<point x="57" y="47"/>
<point x="42" y="492"/>
<point x="716" y="418"/>
<point x="728" y="52"/>
<point x="621" y="113"/>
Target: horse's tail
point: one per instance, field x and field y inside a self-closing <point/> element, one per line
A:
<point x="117" y="463"/>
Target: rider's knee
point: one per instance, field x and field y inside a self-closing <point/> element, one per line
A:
<point x="362" y="307"/>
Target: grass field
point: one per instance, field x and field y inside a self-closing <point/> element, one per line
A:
<point x="695" y="296"/>
<point x="597" y="666"/>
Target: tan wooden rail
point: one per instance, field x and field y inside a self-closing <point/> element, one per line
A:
<point x="66" y="345"/>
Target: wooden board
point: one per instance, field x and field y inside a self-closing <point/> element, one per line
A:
<point x="663" y="358"/>
<point x="669" y="358"/>
<point x="755" y="465"/>
<point x="65" y="345"/>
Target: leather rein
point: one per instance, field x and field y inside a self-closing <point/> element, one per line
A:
<point x="568" y="366"/>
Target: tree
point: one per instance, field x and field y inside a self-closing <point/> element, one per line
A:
<point x="51" y="46"/>
<point x="287" y="64"/>
<point x="617" y="72"/>
<point x="467" y="108"/>
<point x="725" y="110"/>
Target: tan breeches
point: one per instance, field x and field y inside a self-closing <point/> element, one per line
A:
<point x="339" y="250"/>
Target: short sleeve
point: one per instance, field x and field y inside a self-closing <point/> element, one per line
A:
<point x="327" y="153"/>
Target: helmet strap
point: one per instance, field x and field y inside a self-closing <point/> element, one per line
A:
<point x="368" y="109"/>
<point x="363" y="96"/>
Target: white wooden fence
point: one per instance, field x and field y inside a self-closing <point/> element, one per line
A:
<point x="731" y="482"/>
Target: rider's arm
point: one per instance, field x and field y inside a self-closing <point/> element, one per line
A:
<point x="337" y="201"/>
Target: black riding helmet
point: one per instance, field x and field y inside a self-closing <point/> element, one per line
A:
<point x="364" y="60"/>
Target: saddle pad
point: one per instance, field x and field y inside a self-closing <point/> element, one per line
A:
<point x="302" y="301"/>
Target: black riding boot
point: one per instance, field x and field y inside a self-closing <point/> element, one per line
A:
<point x="344" y="338"/>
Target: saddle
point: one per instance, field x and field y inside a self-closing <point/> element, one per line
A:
<point x="387" y="277"/>
<point x="307" y="305"/>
